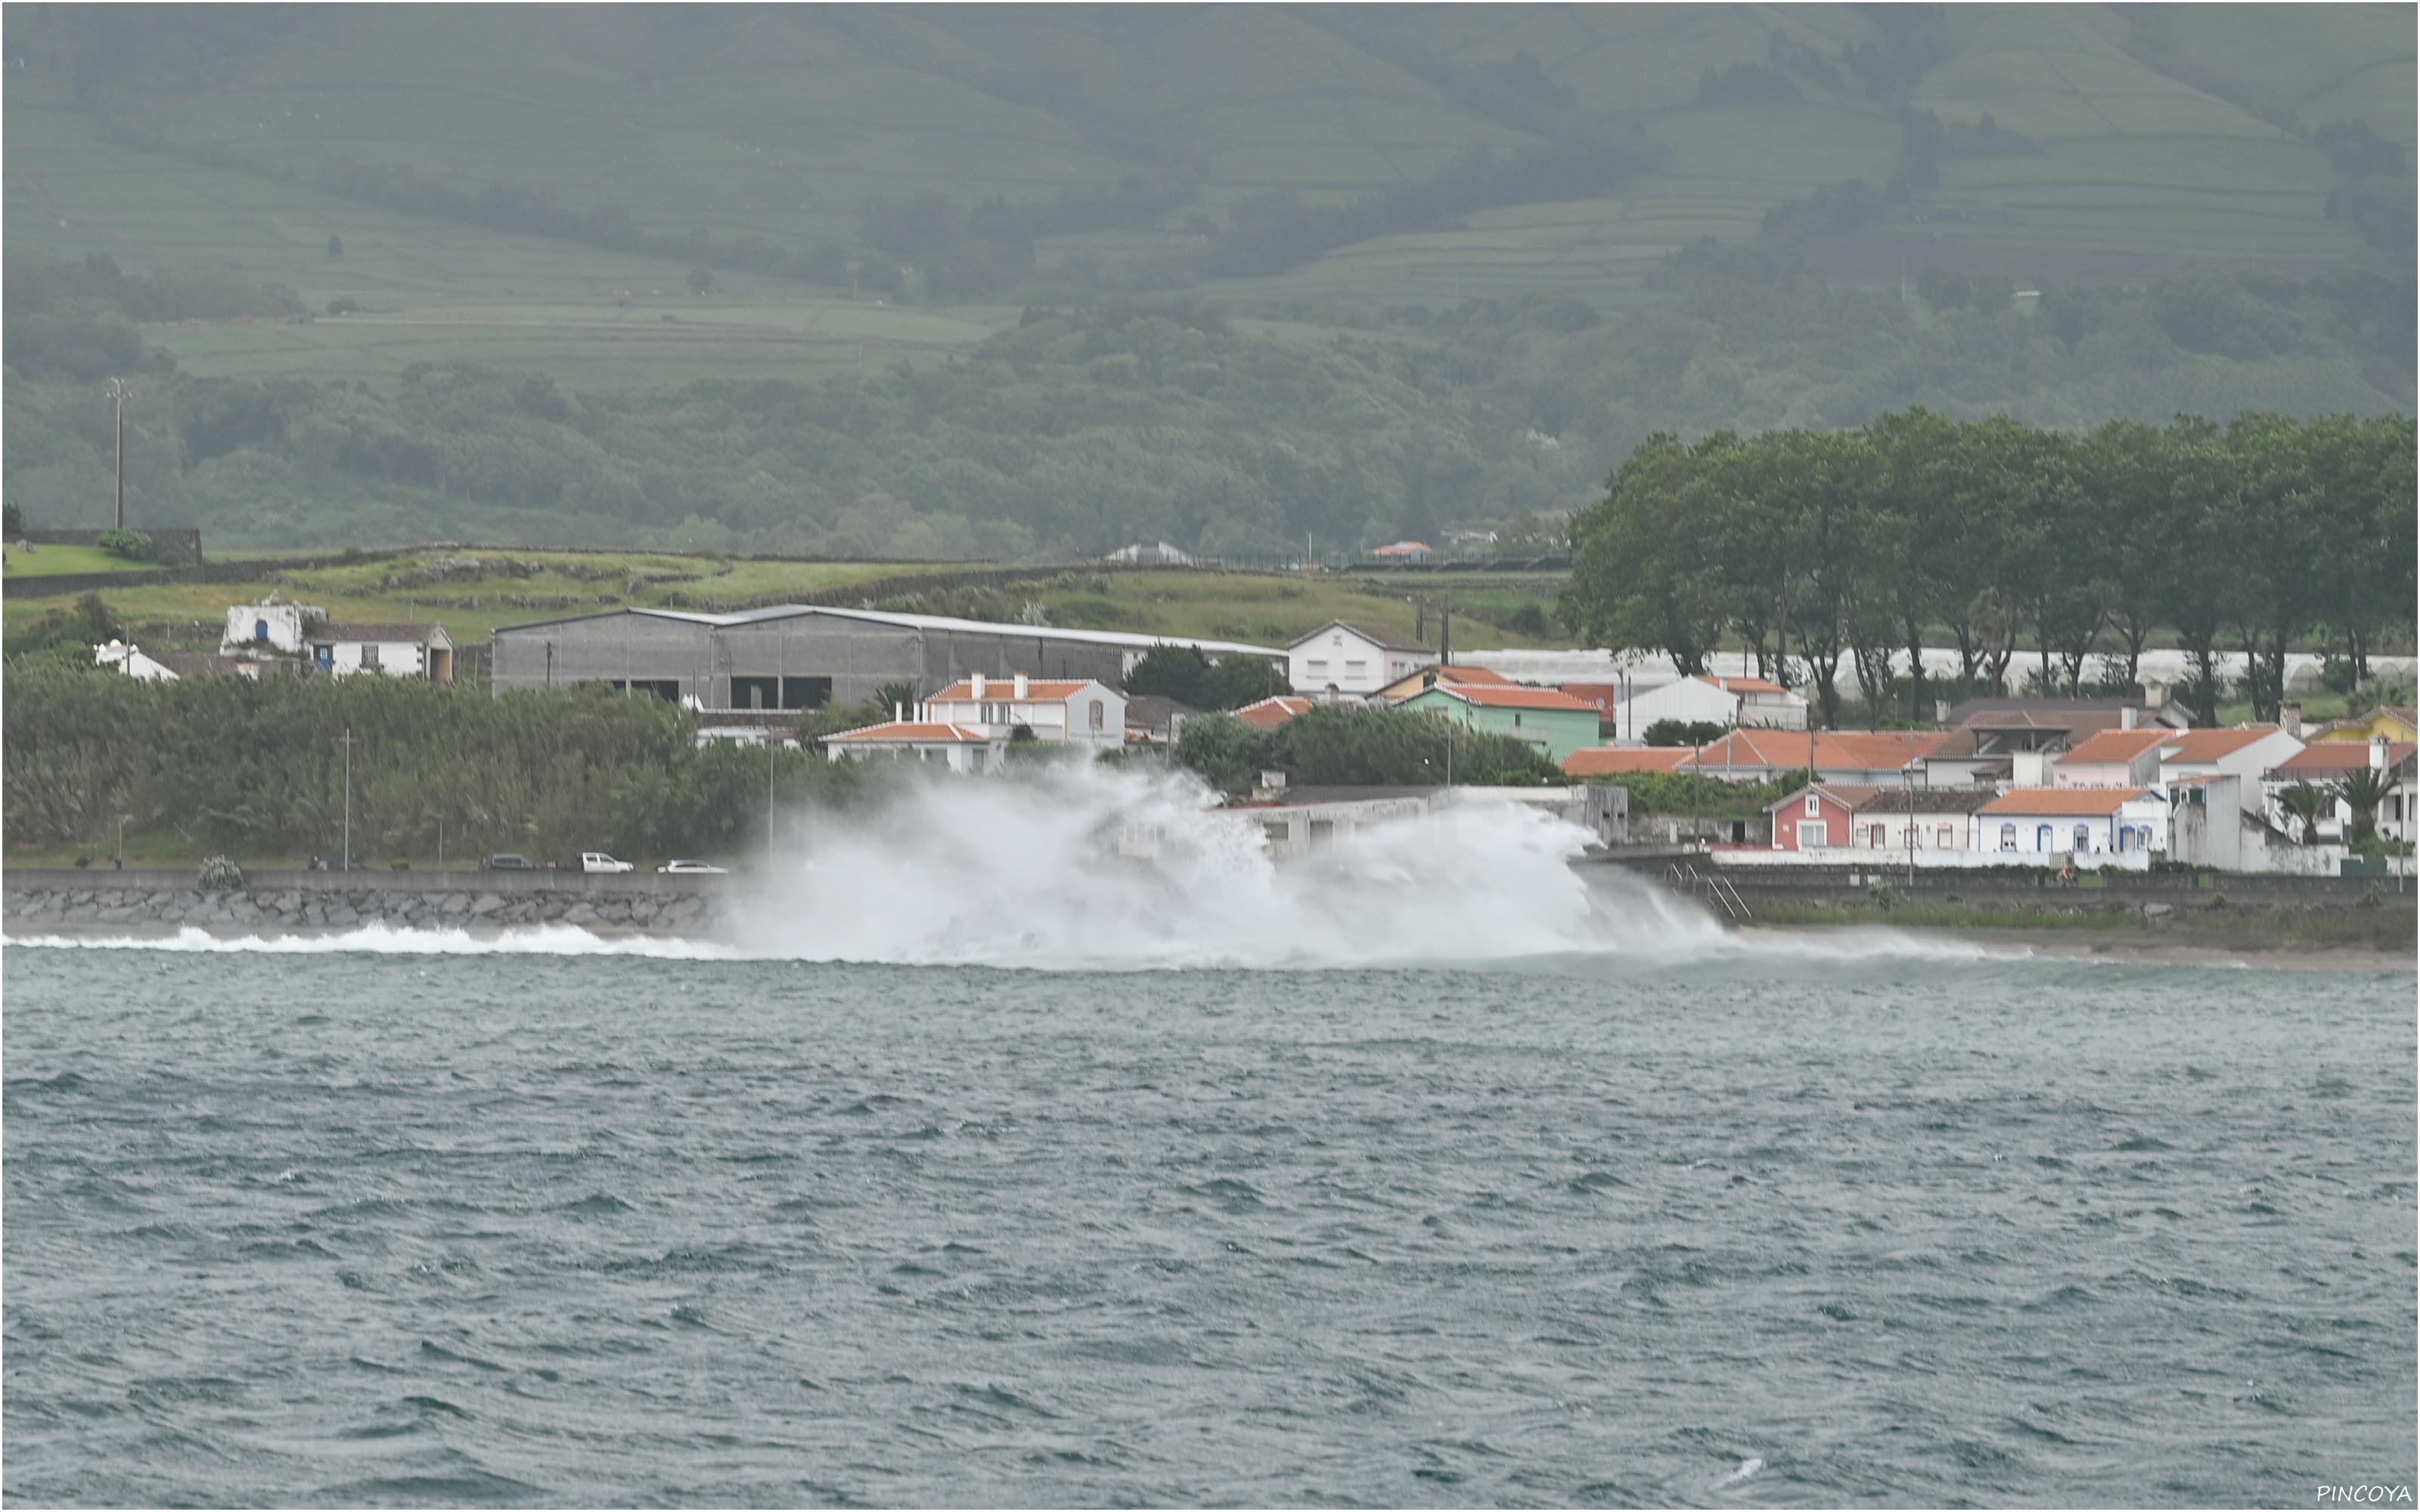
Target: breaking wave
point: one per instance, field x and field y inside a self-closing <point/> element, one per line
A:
<point x="1091" y="869"/>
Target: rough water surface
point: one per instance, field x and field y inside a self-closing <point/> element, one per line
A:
<point x="1776" y="1227"/>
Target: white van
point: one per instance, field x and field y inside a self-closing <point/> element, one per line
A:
<point x="599" y="861"/>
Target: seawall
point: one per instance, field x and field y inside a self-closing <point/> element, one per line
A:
<point x="36" y="901"/>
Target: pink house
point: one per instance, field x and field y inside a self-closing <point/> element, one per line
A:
<point x="2113" y="759"/>
<point x="1810" y="819"/>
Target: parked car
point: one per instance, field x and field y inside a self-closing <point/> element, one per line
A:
<point x="599" y="861"/>
<point x="506" y="861"/>
<point x="692" y="869"/>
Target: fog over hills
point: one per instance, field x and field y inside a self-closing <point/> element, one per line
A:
<point x="1008" y="280"/>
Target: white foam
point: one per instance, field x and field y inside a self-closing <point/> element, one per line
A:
<point x="1025" y="872"/>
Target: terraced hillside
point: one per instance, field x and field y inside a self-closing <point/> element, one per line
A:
<point x="983" y="281"/>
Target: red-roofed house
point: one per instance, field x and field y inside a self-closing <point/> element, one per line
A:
<point x="1075" y="711"/>
<point x="2324" y="763"/>
<point x="1874" y="758"/>
<point x="1272" y="712"/>
<point x="1737" y="701"/>
<point x="958" y="747"/>
<point x="2112" y="759"/>
<point x="1430" y="676"/>
<point x="2073" y="821"/>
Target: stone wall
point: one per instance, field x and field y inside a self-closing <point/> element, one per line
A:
<point x="286" y="902"/>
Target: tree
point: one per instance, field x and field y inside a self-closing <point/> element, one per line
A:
<point x="2307" y="803"/>
<point x="335" y="245"/>
<point x="701" y="279"/>
<point x="1683" y="732"/>
<point x="2362" y="790"/>
<point x="12" y="520"/>
<point x="1227" y="753"/>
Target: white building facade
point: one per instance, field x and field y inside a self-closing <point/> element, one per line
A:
<point x="422" y="650"/>
<point x="1730" y="701"/>
<point x="1077" y="712"/>
<point x="1347" y="660"/>
<point x="272" y="624"/>
<point x="966" y="751"/>
<point x="2071" y="823"/>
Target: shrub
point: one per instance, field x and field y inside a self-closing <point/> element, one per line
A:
<point x="400" y="864"/>
<point x="1527" y="620"/>
<point x="219" y="875"/>
<point x="2371" y="897"/>
<point x="131" y="545"/>
<point x="82" y="863"/>
<point x="12" y="520"/>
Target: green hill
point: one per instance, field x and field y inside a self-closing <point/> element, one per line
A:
<point x="1437" y="264"/>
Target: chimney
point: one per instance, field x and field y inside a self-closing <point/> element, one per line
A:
<point x="899" y="714"/>
<point x="2129" y="718"/>
<point x="978" y="681"/>
<point x="2290" y="718"/>
<point x="2377" y="754"/>
<point x="1021" y="684"/>
<point x="1940" y="711"/>
<point x="2155" y="694"/>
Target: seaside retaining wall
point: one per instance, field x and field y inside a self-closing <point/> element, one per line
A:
<point x="36" y="900"/>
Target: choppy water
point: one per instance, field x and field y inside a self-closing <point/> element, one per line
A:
<point x="1770" y="1229"/>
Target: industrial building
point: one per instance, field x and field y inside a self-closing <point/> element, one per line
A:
<point x="803" y="656"/>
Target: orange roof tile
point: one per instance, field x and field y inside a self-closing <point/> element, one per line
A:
<point x="1744" y="685"/>
<point x="904" y="731"/>
<point x="1474" y="675"/>
<point x="2117" y="745"/>
<point x="1003" y="691"/>
<point x="2189" y="746"/>
<point x="1511" y="697"/>
<point x="2065" y="802"/>
<point x="2333" y="757"/>
<point x="1272" y="712"/>
<point x="1604" y="761"/>
<point x="1836" y="750"/>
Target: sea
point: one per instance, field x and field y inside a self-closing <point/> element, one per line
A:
<point x="1189" y="1187"/>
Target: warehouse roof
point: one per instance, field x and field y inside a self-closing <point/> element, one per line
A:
<point x="1122" y="639"/>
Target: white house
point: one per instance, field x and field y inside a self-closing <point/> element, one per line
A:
<point x="2078" y="823"/>
<point x="132" y="662"/>
<point x="422" y="650"/>
<point x="962" y="750"/>
<point x="272" y="624"/>
<point x="1729" y="701"/>
<point x="1075" y="711"/>
<point x="2112" y="759"/>
<point x="2324" y="763"/>
<point x="1350" y="660"/>
<point x="2216" y="822"/>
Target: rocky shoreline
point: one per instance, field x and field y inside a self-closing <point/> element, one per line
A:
<point x="296" y="910"/>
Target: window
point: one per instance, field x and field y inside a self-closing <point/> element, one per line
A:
<point x="2042" y="837"/>
<point x="1517" y="719"/>
<point x="1874" y="837"/>
<point x="260" y="629"/>
<point x="2083" y="838"/>
<point x="1947" y="842"/>
<point x="1814" y="806"/>
<point x="1317" y="668"/>
<point x="370" y="655"/>
<point x="1814" y="837"/>
<point x="1096" y="715"/>
<point x="2007" y="837"/>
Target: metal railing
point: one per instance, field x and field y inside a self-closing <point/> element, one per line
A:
<point x="1685" y="879"/>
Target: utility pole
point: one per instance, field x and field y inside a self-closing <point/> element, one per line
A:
<point x="441" y="843"/>
<point x="121" y="842"/>
<point x="1907" y="789"/>
<point x="117" y="392"/>
<point x="773" y="743"/>
<point x="347" y="743"/>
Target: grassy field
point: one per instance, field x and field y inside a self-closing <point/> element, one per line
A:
<point x="65" y="561"/>
<point x="518" y="587"/>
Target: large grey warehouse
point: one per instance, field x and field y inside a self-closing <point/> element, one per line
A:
<point x="803" y="656"/>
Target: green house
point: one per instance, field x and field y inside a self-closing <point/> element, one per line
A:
<point x="1555" y="723"/>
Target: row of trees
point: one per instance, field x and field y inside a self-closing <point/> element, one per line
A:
<point x="1815" y="549"/>
<point x="256" y="768"/>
